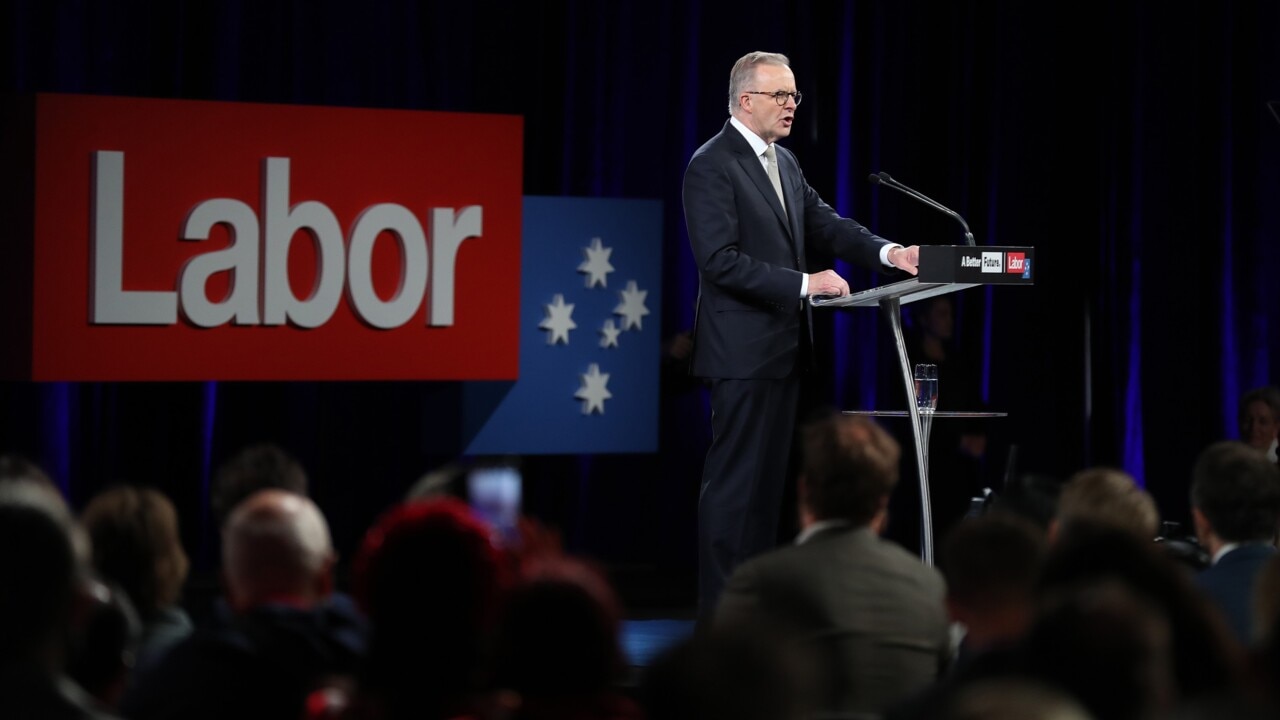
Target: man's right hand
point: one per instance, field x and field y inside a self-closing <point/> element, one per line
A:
<point x="827" y="282"/>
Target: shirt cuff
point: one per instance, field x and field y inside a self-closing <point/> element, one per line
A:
<point x="804" y="285"/>
<point x="884" y="253"/>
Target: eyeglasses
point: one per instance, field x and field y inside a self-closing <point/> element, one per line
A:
<point x="780" y="96"/>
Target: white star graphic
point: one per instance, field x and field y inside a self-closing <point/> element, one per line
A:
<point x="610" y="333"/>
<point x="596" y="266"/>
<point x="559" y="320"/>
<point x="593" y="392"/>
<point x="632" y="307"/>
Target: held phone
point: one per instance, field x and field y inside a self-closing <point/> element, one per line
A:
<point x="494" y="494"/>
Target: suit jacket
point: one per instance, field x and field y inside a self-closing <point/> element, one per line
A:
<point x="751" y="255"/>
<point x="1229" y="584"/>
<point x="873" y="613"/>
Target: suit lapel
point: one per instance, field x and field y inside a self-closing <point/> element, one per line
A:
<point x="755" y="171"/>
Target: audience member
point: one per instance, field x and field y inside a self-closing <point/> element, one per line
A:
<point x="134" y="532"/>
<point x="255" y="467"/>
<point x="990" y="564"/>
<point x="1235" y="506"/>
<point x="17" y="467"/>
<point x="105" y="643"/>
<point x="1109" y="497"/>
<point x="873" y="612"/>
<point x="429" y="578"/>
<point x="558" y="654"/>
<point x="1107" y="646"/>
<point x="1260" y="420"/>
<point x="1206" y="659"/>
<point x="43" y="564"/>
<point x="1265" y="655"/>
<point x="284" y="639"/>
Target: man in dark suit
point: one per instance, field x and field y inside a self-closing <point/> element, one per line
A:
<point x="751" y="218"/>
<point x="1235" y="505"/>
<point x="871" y="614"/>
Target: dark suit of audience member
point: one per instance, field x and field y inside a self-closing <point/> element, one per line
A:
<point x="43" y="561"/>
<point x="873" y="612"/>
<point x="752" y="218"/>
<point x="1235" y="505"/>
<point x="283" y="639"/>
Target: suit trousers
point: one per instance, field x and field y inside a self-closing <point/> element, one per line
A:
<point x="752" y="427"/>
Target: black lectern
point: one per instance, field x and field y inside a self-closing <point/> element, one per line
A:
<point x="943" y="269"/>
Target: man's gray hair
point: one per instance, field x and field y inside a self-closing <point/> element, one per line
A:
<point x="744" y="72"/>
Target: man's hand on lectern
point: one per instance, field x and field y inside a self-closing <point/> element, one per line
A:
<point x="827" y="283"/>
<point x="907" y="258"/>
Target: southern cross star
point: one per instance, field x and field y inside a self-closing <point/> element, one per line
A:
<point x="596" y="266"/>
<point x="610" y="333"/>
<point x="559" y="320"/>
<point x="632" y="306"/>
<point x="594" y="390"/>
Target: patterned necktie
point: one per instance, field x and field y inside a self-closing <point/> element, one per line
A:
<point x="771" y="166"/>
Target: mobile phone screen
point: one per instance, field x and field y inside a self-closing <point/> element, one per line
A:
<point x="494" y="494"/>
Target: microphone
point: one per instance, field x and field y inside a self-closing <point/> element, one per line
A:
<point x="884" y="179"/>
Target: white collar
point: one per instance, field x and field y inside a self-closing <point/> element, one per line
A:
<point x="758" y="146"/>
<point x="1223" y="551"/>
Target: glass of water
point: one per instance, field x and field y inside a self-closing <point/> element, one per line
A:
<point x="926" y="381"/>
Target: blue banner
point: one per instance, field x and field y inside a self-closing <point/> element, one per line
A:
<point x="589" y="335"/>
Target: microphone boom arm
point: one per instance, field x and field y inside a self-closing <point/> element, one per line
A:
<point x="884" y="179"/>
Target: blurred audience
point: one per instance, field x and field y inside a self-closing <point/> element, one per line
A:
<point x="104" y="644"/>
<point x="1107" y="646"/>
<point x="558" y="653"/>
<point x="134" y="532"/>
<point x="1106" y="496"/>
<point x="1260" y="420"/>
<point x="430" y="579"/>
<point x="1206" y="659"/>
<point x="990" y="564"/>
<point x="263" y="466"/>
<point x="872" y="612"/>
<point x="283" y="642"/>
<point x="1235" y="506"/>
<point x="17" y="467"/>
<point x="44" y="563"/>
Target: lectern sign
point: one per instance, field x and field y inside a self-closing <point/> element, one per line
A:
<point x="976" y="264"/>
<point x="196" y="240"/>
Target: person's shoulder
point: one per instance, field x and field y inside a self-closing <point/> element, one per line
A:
<point x="719" y="144"/>
<point x="907" y="562"/>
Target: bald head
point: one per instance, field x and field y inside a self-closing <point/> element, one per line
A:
<point x="276" y="548"/>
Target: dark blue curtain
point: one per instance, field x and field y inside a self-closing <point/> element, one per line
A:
<point x="1130" y="145"/>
